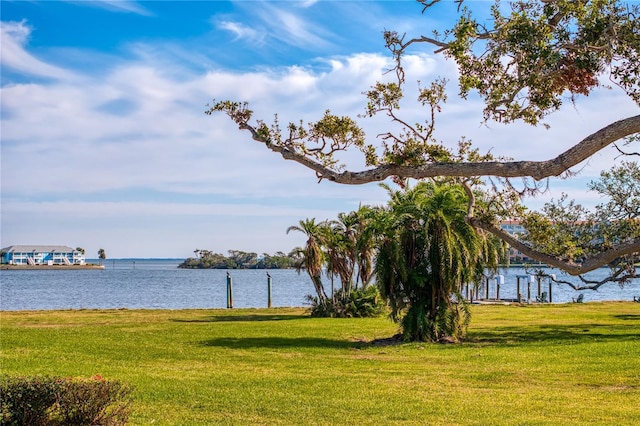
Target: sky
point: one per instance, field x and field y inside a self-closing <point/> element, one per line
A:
<point x="105" y="144"/>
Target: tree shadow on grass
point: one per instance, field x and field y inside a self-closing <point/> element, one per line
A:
<point x="276" y="342"/>
<point x="573" y="333"/>
<point x="628" y="317"/>
<point x="243" y="318"/>
<point x="508" y="336"/>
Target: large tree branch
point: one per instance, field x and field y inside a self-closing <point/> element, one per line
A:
<point x="536" y="169"/>
<point x="573" y="268"/>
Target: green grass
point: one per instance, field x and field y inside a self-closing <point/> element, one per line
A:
<point x="532" y="365"/>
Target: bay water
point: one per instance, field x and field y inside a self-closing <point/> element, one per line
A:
<point x="159" y="284"/>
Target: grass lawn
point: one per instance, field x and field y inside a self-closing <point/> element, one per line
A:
<point x="530" y="365"/>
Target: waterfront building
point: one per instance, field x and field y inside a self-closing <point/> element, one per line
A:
<point x="515" y="229"/>
<point x="42" y="255"/>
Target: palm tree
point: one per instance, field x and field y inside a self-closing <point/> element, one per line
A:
<point x="427" y="252"/>
<point x="326" y="239"/>
<point x="338" y="241"/>
<point x="366" y="235"/>
<point x="102" y="255"/>
<point x="311" y="257"/>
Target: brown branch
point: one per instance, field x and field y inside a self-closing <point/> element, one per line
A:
<point x="617" y="277"/>
<point x="442" y="46"/>
<point x="625" y="153"/>
<point x="426" y="5"/>
<point x="573" y="268"/>
<point x="422" y="39"/>
<point x="538" y="170"/>
<point x="471" y="206"/>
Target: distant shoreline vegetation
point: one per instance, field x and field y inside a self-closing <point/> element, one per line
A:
<point x="238" y="259"/>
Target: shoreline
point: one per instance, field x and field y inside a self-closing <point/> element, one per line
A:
<point x="49" y="267"/>
<point x="302" y="309"/>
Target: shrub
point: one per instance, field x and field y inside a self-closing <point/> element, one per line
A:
<point x="449" y="325"/>
<point x="55" y="401"/>
<point x="25" y="400"/>
<point x="358" y="304"/>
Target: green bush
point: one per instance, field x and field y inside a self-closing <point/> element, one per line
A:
<point x="52" y="401"/>
<point x="360" y="303"/>
<point x="449" y="325"/>
<point x="25" y="400"/>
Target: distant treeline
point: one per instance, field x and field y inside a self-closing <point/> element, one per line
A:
<point x="238" y="259"/>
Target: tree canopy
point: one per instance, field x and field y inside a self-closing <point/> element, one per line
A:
<point x="427" y="252"/>
<point x="524" y="62"/>
<point x="237" y="259"/>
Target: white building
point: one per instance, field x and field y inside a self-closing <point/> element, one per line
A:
<point x="515" y="229"/>
<point x="42" y="255"/>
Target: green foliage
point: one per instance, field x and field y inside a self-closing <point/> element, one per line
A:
<point x="361" y="303"/>
<point x="237" y="259"/>
<point x="319" y="140"/>
<point x="25" y="400"/>
<point x="415" y="146"/>
<point x="555" y="230"/>
<point x="428" y="251"/>
<point x="96" y="402"/>
<point x="345" y="248"/>
<point x="279" y="260"/>
<point x="311" y="257"/>
<point x="621" y="187"/>
<point x="534" y="53"/>
<point x="449" y="324"/>
<point x="567" y="230"/>
<point x="52" y="401"/>
<point x="331" y="134"/>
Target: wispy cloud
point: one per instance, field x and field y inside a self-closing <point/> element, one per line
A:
<point x="280" y="25"/>
<point x="13" y="38"/>
<point x="294" y="29"/>
<point x="129" y="148"/>
<point x="126" y="6"/>
<point x="242" y="31"/>
<point x="308" y="3"/>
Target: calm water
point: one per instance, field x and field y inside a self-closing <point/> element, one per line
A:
<point x="158" y="284"/>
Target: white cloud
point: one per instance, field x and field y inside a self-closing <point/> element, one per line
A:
<point x="13" y="38"/>
<point x="242" y="31"/>
<point x="163" y="140"/>
<point x="264" y="24"/>
<point x="72" y="147"/>
<point x="127" y="6"/>
<point x="308" y="3"/>
<point x="292" y="29"/>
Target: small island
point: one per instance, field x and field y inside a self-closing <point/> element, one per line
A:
<point x="238" y="259"/>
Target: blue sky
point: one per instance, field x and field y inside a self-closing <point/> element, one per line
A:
<point x="105" y="143"/>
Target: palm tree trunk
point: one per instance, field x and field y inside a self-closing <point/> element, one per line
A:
<point x="317" y="283"/>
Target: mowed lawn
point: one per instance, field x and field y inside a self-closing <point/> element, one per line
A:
<point x="530" y="365"/>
